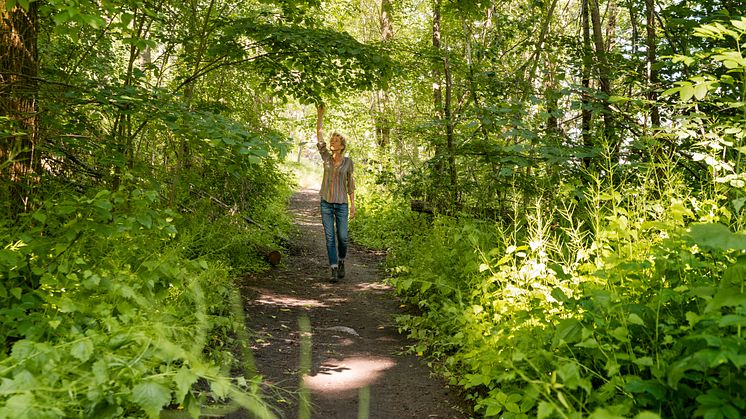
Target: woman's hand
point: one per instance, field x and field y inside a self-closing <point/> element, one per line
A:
<point x="352" y="211"/>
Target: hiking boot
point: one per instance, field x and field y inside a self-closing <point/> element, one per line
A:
<point x="341" y="269"/>
<point x="334" y="278"/>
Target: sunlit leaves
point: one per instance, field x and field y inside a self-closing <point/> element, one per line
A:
<point x="697" y="88"/>
<point x="309" y="63"/>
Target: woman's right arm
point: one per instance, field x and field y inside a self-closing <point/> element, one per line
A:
<point x="320" y="124"/>
<point x="320" y="144"/>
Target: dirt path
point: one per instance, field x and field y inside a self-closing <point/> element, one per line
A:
<point x="355" y="344"/>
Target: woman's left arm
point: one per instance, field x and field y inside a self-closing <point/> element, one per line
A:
<point x="352" y="205"/>
<point x="351" y="189"/>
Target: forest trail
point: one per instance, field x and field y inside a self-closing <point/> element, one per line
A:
<point x="355" y="343"/>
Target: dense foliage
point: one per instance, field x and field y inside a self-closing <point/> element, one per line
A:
<point x="559" y="185"/>
<point x="580" y="271"/>
<point x="140" y="177"/>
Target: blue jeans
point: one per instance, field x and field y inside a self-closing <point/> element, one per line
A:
<point x="332" y="214"/>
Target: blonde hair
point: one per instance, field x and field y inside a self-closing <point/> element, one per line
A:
<point x="341" y="137"/>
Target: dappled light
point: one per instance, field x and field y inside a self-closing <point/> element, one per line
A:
<point x="269" y="298"/>
<point x="373" y="286"/>
<point x="335" y="376"/>
<point x="544" y="201"/>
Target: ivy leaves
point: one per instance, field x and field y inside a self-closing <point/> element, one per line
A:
<point x="303" y="62"/>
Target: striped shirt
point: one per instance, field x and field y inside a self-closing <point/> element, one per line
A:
<point x="338" y="180"/>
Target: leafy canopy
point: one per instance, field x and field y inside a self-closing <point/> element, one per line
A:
<point x="303" y="62"/>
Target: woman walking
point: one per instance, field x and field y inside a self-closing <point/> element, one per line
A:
<point x="337" y="185"/>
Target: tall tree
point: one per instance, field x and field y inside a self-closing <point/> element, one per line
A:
<point x="382" y="117"/>
<point x="586" y="114"/>
<point x="19" y="66"/>
<point x="652" y="72"/>
<point x="445" y="157"/>
<point x="604" y="73"/>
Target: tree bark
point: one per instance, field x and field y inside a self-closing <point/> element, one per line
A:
<point x="19" y="67"/>
<point x="586" y="114"/>
<point x="437" y="91"/>
<point x="448" y="114"/>
<point x="652" y="73"/>
<point x="470" y="75"/>
<point x="382" y="121"/>
<point x="445" y="158"/>
<point x="603" y="75"/>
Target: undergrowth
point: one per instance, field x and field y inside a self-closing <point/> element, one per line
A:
<point x="628" y="302"/>
<point x="114" y="306"/>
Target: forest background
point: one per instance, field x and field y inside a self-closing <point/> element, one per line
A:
<point x="558" y="185"/>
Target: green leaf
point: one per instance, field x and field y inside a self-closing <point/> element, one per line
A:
<point x="732" y="320"/>
<point x="726" y="297"/>
<point x="103" y="204"/>
<point x="192" y="406"/>
<point x="184" y="380"/>
<point x="700" y="91"/>
<point x="621" y="334"/>
<point x="716" y="236"/>
<point x="151" y="396"/>
<point x="644" y="361"/>
<point x="731" y="59"/>
<point x="39" y="216"/>
<point x="568" y="331"/>
<point x="545" y="410"/>
<point x="82" y="350"/>
<point x="220" y="387"/>
<point x="602" y="413"/>
<point x="635" y="319"/>
<point x="100" y="371"/>
<point x="686" y="91"/>
<point x="652" y="387"/>
<point x="10" y="5"/>
<point x="145" y="220"/>
<point x="18" y="406"/>
<point x="739" y="24"/>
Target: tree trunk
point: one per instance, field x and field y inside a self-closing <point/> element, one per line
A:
<point x="652" y="73"/>
<point x="387" y="28"/>
<point x="445" y="158"/>
<point x="603" y="75"/>
<point x="19" y="66"/>
<point x="586" y="113"/>
<point x="470" y="75"/>
<point x="200" y="29"/>
<point x="448" y="113"/>
<point x="437" y="91"/>
<point x="382" y="121"/>
<point x="534" y="60"/>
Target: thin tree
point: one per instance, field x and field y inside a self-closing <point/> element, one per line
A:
<point x="652" y="72"/>
<point x="19" y="66"/>
<point x="586" y="114"/>
<point x="443" y="109"/>
<point x="603" y="74"/>
<point x="382" y="121"/>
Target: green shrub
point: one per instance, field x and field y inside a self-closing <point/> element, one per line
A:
<point x="611" y="310"/>
<point x="104" y="314"/>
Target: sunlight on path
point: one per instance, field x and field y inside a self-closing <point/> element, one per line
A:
<point x="270" y="298"/>
<point x="336" y="376"/>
